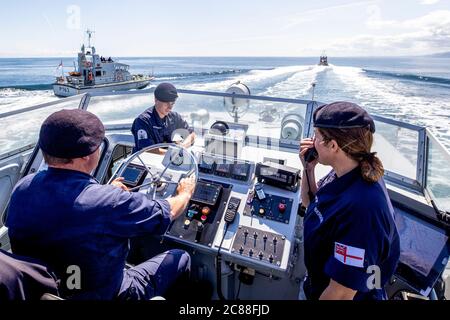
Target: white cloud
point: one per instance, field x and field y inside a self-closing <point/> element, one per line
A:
<point x="311" y="15"/>
<point x="427" y="2"/>
<point x="375" y="20"/>
<point x="426" y="34"/>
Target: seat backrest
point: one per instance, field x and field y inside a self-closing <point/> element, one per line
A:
<point x="23" y="278"/>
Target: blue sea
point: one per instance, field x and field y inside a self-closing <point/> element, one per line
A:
<point x="411" y="89"/>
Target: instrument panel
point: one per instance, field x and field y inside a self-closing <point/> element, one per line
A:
<point x="226" y="168"/>
<point x="262" y="232"/>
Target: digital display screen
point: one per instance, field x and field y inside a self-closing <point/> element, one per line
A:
<point x="206" y="193"/>
<point x="241" y="170"/>
<point x="132" y="175"/>
<point x="421" y="243"/>
<point x="273" y="174"/>
<point x="221" y="147"/>
<point x="223" y="168"/>
<point x="207" y="163"/>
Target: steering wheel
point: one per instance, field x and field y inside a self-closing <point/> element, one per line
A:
<point x="163" y="170"/>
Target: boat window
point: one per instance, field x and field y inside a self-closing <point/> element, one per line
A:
<point x="119" y="154"/>
<point x="114" y="109"/>
<point x="20" y="129"/>
<point x="397" y="148"/>
<point x="98" y="73"/>
<point x="264" y="118"/>
<point x="438" y="174"/>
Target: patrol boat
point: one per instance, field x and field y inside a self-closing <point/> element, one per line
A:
<point x="247" y="247"/>
<point x="97" y="74"/>
<point x="323" y="60"/>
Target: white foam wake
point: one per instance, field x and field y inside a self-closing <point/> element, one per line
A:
<point x="298" y="85"/>
<point x="253" y="79"/>
<point x="15" y="99"/>
<point x="393" y="98"/>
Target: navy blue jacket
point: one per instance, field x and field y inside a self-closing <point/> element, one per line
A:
<point x="66" y="218"/>
<point x="149" y="129"/>
<point x="349" y="232"/>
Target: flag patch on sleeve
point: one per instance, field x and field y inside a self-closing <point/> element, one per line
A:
<point x="348" y="255"/>
<point x="142" y="135"/>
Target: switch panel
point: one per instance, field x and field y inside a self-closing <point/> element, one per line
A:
<point x="259" y="245"/>
<point x="272" y="207"/>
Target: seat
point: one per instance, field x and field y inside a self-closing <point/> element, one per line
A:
<point x="24" y="278"/>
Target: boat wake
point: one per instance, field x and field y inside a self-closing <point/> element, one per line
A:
<point x="15" y="99"/>
<point x="394" y="99"/>
<point x="28" y="87"/>
<point x="257" y="80"/>
<point x="408" y="76"/>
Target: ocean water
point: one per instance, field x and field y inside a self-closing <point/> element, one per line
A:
<point x="415" y="89"/>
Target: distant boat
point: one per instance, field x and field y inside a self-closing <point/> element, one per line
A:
<point x="323" y="60"/>
<point x="97" y="74"/>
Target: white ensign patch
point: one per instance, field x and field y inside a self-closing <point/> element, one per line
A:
<point x="142" y="135"/>
<point x="348" y="255"/>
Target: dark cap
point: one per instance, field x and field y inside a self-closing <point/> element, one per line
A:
<point x="343" y="115"/>
<point x="71" y="134"/>
<point x="166" y="92"/>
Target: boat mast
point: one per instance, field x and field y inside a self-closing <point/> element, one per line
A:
<point x="89" y="33"/>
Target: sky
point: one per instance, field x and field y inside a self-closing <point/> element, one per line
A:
<point x="48" y="28"/>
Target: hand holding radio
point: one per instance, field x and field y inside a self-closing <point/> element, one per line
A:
<point x="308" y="154"/>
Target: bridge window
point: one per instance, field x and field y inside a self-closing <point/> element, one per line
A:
<point x="119" y="154"/>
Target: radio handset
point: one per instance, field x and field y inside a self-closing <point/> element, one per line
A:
<point x="311" y="155"/>
<point x="230" y="213"/>
<point x="260" y="192"/>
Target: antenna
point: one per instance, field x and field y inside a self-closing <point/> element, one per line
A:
<point x="313" y="90"/>
<point x="89" y="33"/>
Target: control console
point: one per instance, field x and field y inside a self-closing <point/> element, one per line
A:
<point x="206" y="208"/>
<point x="271" y="207"/>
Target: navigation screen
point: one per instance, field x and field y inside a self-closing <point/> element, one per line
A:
<point x="223" y="169"/>
<point x="206" y="193"/>
<point x="132" y="175"/>
<point x="241" y="170"/>
<point x="207" y="164"/>
<point x="273" y="174"/>
<point x="420" y="243"/>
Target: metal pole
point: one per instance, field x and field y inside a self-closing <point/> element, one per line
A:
<point x="313" y="89"/>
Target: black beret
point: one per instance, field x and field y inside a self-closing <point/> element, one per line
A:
<point x="343" y="115"/>
<point x="71" y="134"/>
<point x="166" y="92"/>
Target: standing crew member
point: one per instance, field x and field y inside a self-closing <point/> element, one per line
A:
<point x="351" y="241"/>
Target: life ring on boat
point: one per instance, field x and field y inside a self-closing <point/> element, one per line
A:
<point x="119" y="77"/>
<point x="88" y="64"/>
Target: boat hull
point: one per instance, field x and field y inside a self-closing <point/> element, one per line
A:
<point x="68" y="90"/>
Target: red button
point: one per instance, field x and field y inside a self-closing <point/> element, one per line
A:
<point x="204" y="218"/>
<point x="282" y="207"/>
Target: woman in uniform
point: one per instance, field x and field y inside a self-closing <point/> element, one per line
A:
<point x="351" y="242"/>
